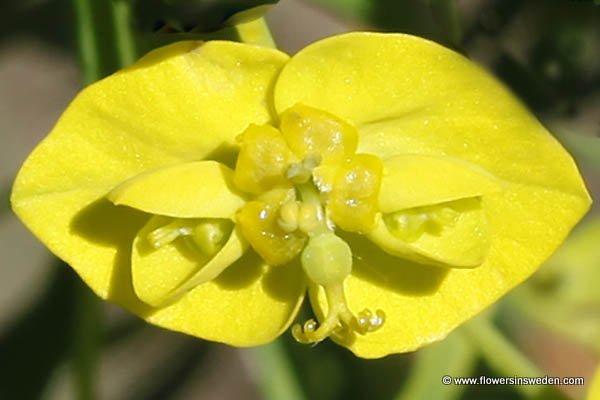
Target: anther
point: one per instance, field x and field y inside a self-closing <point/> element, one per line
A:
<point x="310" y="217"/>
<point x="301" y="172"/>
<point x="166" y="234"/>
<point x="209" y="236"/>
<point x="288" y="217"/>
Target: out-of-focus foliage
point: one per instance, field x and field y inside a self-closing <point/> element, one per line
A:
<point x="564" y="294"/>
<point x="189" y="15"/>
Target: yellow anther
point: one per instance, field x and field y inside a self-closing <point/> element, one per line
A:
<point x="410" y="224"/>
<point x="263" y="160"/>
<point x="288" y="216"/>
<point x="309" y="131"/>
<point x="167" y="233"/>
<point x="406" y="225"/>
<point x="353" y="199"/>
<point x="299" y="173"/>
<point x="444" y="216"/>
<point x="209" y="236"/>
<point x="310" y="217"/>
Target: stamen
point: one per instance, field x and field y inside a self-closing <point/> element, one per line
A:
<point x="301" y="172"/>
<point x="210" y="235"/>
<point x="309" y="218"/>
<point x="207" y="236"/>
<point x="410" y="224"/>
<point x="288" y="217"/>
<point x="166" y="234"/>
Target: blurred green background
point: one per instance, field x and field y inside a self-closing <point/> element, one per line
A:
<point x="57" y="341"/>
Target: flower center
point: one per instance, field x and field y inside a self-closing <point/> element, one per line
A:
<point x="308" y="182"/>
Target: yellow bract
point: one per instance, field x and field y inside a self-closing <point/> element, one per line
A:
<point x="594" y="388"/>
<point x="444" y="188"/>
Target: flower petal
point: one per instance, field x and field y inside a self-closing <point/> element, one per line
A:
<point x="412" y="180"/>
<point x="160" y="275"/>
<point x="198" y="189"/>
<point x="409" y="95"/>
<point x="423" y="304"/>
<point x="249" y="304"/>
<point x="166" y="108"/>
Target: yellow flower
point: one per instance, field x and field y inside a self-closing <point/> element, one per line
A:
<point x="207" y="186"/>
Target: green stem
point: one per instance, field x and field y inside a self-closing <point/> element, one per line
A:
<point x="125" y="43"/>
<point x="276" y="375"/>
<point x="501" y="354"/>
<point x="89" y="52"/>
<point x="454" y="356"/>
<point x="97" y="23"/>
<point x="87" y="338"/>
<point x="446" y="15"/>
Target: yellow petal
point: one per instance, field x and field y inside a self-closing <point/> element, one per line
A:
<point x="464" y="243"/>
<point x="263" y="160"/>
<point x="352" y="202"/>
<point x="424" y="303"/>
<point x="198" y="189"/>
<point x="165" y="109"/>
<point x="407" y="95"/>
<point x="162" y="274"/>
<point x="249" y="304"/>
<point x="412" y="180"/>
